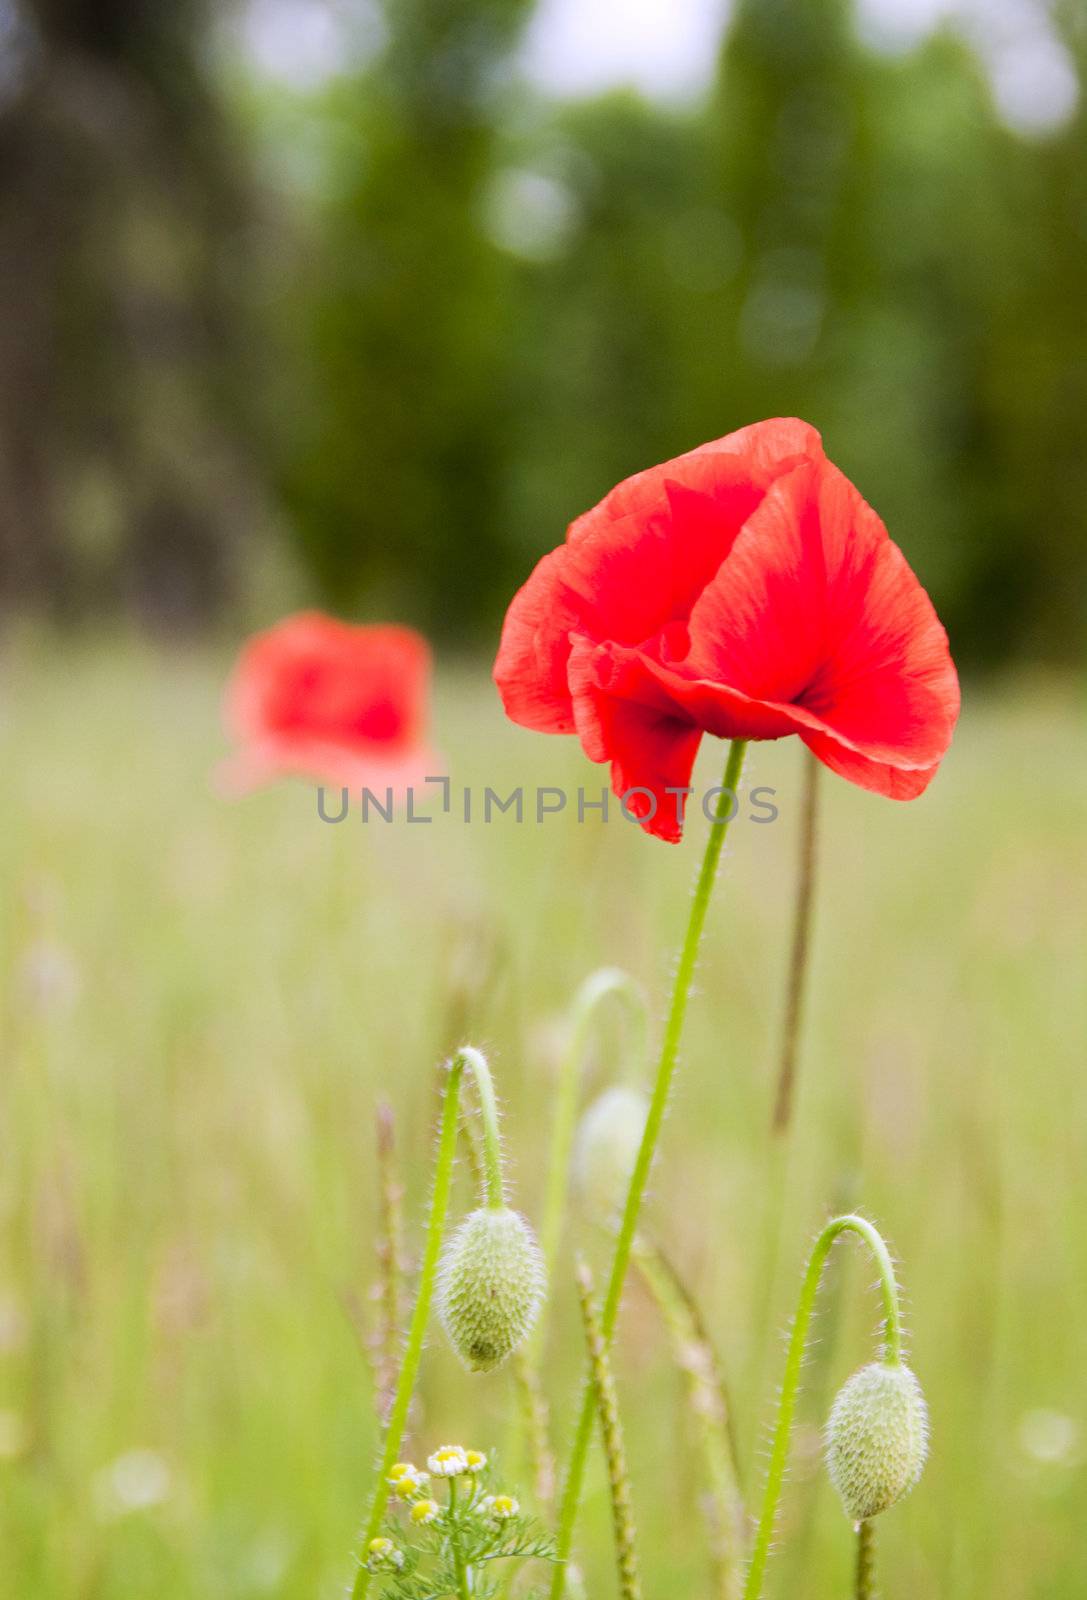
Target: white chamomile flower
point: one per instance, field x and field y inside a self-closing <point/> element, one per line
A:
<point x="448" y="1462"/>
<point x="407" y="1481"/>
<point x="501" y="1507"/>
<point x="476" y="1460"/>
<point x="423" y="1511"/>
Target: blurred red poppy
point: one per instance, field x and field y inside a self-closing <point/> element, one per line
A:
<point x="341" y="704"/>
<point x="746" y="590"/>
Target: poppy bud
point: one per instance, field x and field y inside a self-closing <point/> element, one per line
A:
<point x="491" y="1286"/>
<point x="876" y="1438"/>
<point x="607" y="1147"/>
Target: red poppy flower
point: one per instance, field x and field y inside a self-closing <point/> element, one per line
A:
<point x="323" y="699"/>
<point x="746" y="590"/>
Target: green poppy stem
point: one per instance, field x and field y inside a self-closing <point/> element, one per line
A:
<point x="597" y="988"/>
<point x="727" y="804"/>
<point x="474" y="1061"/>
<point x="594" y="993"/>
<point x="794" y="1361"/>
<point x="494" y="1183"/>
<point x="865" y="1571"/>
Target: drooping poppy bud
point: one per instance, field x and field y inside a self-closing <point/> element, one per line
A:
<point x="491" y="1286"/>
<point x="607" y="1148"/>
<point x="876" y="1438"/>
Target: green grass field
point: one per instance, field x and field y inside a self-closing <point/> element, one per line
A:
<point x="203" y="1001"/>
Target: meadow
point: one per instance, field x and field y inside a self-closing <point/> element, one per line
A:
<point x="204" y="1001"/>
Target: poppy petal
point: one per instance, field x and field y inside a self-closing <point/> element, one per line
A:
<point x="637" y="562"/>
<point x="340" y="703"/>
<point x="763" y="450"/>
<point x="651" y="746"/>
<point x="896" y="782"/>
<point x="817" y="608"/>
<point x="745" y="590"/>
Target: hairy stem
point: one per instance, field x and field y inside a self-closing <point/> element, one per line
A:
<point x="607" y="1405"/>
<point x="727" y="804"/>
<point x="596" y="989"/>
<point x="494" y="1186"/>
<point x="794" y="1360"/>
<point x="474" y="1061"/>
<point x="865" y="1571"/>
<point x="708" y="1404"/>
<point x="801" y="947"/>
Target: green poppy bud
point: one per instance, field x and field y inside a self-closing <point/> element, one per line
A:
<point x="491" y="1286"/>
<point x="607" y="1147"/>
<point x="876" y="1438"/>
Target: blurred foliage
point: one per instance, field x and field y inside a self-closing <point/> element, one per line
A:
<point x="462" y="311"/>
<point x="854" y="238"/>
<point x="393" y="458"/>
<point x="125" y="471"/>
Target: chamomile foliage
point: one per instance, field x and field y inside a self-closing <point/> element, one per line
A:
<point x="472" y="1525"/>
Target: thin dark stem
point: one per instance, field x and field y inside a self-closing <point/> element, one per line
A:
<point x="801" y="947"/>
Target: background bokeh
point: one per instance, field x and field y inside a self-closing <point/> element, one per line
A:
<point x="365" y="301"/>
<point x="326" y="301"/>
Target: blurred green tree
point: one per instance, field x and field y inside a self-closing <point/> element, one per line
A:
<point x="477" y="309"/>
<point x="614" y="320"/>
<point x="846" y="237"/>
<point x="396" y="437"/>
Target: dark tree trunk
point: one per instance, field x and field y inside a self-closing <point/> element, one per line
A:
<point x="122" y="476"/>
